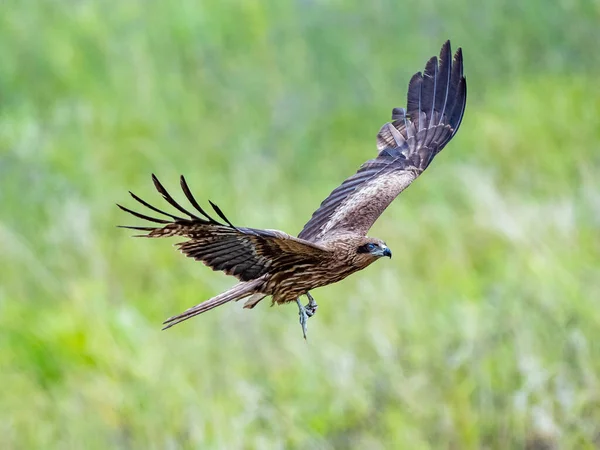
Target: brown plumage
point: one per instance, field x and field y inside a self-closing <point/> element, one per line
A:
<point x="333" y="244"/>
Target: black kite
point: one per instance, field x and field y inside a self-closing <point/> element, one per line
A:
<point x="333" y="244"/>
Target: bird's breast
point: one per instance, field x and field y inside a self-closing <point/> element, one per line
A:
<point x="287" y="285"/>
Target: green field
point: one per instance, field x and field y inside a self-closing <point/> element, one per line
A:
<point x="483" y="331"/>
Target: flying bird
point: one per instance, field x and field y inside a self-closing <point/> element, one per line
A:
<point x="333" y="244"/>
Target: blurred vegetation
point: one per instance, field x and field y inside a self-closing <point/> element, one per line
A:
<point x="482" y="332"/>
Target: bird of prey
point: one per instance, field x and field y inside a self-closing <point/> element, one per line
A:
<point x="333" y="244"/>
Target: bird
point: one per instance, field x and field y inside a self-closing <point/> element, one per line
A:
<point x="333" y="244"/>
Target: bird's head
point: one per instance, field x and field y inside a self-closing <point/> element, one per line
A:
<point x="369" y="250"/>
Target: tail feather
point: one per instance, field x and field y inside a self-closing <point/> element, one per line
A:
<point x="237" y="292"/>
<point x="254" y="300"/>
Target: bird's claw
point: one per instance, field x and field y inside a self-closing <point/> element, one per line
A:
<point x="305" y="312"/>
<point x="311" y="307"/>
<point x="303" y="318"/>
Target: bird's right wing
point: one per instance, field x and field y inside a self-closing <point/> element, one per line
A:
<point x="245" y="253"/>
<point x="435" y="105"/>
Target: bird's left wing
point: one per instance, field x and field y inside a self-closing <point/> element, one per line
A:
<point x="245" y="253"/>
<point x="435" y="106"/>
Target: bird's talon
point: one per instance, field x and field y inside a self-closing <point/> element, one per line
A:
<point x="311" y="309"/>
<point x="302" y="312"/>
<point x="303" y="321"/>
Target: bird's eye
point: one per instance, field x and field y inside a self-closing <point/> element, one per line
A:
<point x="367" y="248"/>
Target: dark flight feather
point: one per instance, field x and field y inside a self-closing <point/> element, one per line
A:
<point x="186" y="190"/>
<point x="160" y="188"/>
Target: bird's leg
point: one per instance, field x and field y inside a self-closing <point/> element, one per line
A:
<point x="306" y="311"/>
<point x="303" y="316"/>
<point x="312" y="306"/>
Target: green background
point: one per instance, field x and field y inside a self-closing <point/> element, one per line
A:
<point x="483" y="331"/>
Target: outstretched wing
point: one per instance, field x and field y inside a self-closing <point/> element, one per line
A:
<point x="245" y="253"/>
<point x="435" y="106"/>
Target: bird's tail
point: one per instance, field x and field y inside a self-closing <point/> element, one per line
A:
<point x="237" y="292"/>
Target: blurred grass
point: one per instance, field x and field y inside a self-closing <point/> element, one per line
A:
<point x="483" y="330"/>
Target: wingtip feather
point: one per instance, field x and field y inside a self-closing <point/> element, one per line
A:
<point x="221" y="214"/>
